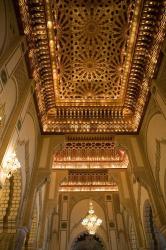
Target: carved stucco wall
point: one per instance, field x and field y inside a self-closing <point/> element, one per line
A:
<point x="8" y="98"/>
<point x="20" y="127"/>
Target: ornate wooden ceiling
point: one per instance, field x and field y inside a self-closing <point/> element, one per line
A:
<point x="92" y="154"/>
<point x="92" y="61"/>
<point x="86" y="180"/>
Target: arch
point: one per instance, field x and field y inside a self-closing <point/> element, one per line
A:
<point x="78" y="212"/>
<point x="87" y="242"/>
<point x="156" y="148"/>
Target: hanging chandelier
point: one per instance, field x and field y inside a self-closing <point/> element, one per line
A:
<point x="91" y="222"/>
<point x="10" y="165"/>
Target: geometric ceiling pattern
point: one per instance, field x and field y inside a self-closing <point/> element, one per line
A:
<point x="91" y="42"/>
<point x="92" y="61"/>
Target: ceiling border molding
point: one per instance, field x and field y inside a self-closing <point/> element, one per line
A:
<point x="41" y="27"/>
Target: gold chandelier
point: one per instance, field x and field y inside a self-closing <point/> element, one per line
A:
<point x="91" y="222"/>
<point x="11" y="165"/>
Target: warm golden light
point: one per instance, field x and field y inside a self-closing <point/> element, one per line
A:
<point x="90" y="165"/>
<point x="89" y="98"/>
<point x="91" y="222"/>
<point x="49" y="24"/>
<point x="10" y="165"/>
<point x="82" y="188"/>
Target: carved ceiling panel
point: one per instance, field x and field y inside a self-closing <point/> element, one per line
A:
<point x="90" y="155"/>
<point x="88" y="180"/>
<point x="92" y="61"/>
<point x="92" y="38"/>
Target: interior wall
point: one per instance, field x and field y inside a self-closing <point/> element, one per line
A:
<point x="19" y="131"/>
<point x="8" y="27"/>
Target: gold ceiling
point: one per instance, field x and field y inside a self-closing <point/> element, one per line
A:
<point x="92" y="61"/>
<point x="90" y="153"/>
<point x="91" y="180"/>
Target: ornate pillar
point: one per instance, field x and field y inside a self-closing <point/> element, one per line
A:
<point x="54" y="237"/>
<point x="54" y="244"/>
<point x="132" y="210"/>
<point x="64" y="221"/>
<point x="112" y="230"/>
<point x="123" y="241"/>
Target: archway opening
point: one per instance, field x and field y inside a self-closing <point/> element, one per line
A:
<point x="86" y="241"/>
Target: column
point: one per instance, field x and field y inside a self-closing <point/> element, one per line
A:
<point x="20" y="238"/>
<point x="122" y="242"/>
<point x="111" y="223"/>
<point x="63" y="238"/>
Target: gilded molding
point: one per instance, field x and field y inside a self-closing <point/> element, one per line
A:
<point x="68" y="86"/>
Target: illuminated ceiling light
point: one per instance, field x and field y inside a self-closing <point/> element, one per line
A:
<point x="134" y="55"/>
<point x="49" y="24"/>
<point x="51" y="43"/>
<point x="91" y="222"/>
<point x="10" y="165"/>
